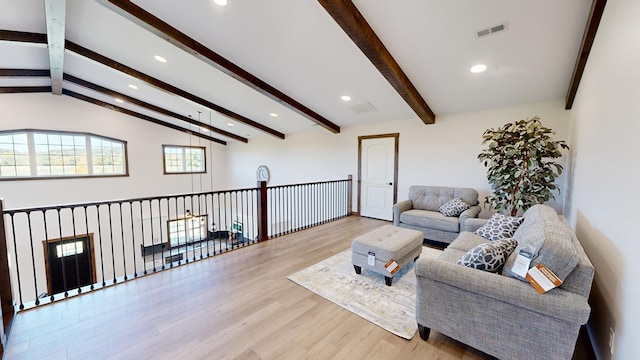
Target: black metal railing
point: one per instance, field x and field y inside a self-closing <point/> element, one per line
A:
<point x="54" y="252"/>
<point x="300" y="206"/>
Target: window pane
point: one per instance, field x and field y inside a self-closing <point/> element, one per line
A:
<point x="56" y="170"/>
<point x="7" y="170"/>
<point x="14" y="155"/>
<point x="7" y="159"/>
<point x="69" y="249"/>
<point x="40" y="139"/>
<point x="43" y="170"/>
<point x="105" y="154"/>
<point x="22" y="159"/>
<point x="53" y="139"/>
<point x="23" y="170"/>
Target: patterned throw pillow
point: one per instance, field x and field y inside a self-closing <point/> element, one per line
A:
<point x="489" y="256"/>
<point x="453" y="207"/>
<point x="499" y="227"/>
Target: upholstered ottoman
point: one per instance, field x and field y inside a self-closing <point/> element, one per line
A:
<point x="386" y="243"/>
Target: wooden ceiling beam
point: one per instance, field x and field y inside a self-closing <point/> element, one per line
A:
<point x="25" y="73"/>
<point x="345" y="13"/>
<point x="24" y="89"/>
<point x="21" y="36"/>
<point x="138" y="115"/>
<point x="159" y="84"/>
<point x="55" y="13"/>
<point x="148" y="106"/>
<point x="160" y="28"/>
<point x="593" y="22"/>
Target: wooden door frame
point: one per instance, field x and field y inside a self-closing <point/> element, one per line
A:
<point x="45" y="244"/>
<point x="396" y="137"/>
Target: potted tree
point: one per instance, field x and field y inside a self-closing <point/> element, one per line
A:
<point x="521" y="161"/>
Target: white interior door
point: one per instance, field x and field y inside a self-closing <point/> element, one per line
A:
<point x="377" y="176"/>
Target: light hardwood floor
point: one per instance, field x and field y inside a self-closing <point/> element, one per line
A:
<point x="238" y="305"/>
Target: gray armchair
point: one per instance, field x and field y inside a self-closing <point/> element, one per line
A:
<point x="420" y="211"/>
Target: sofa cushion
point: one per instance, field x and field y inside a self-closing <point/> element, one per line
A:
<point x="489" y="256"/>
<point x="499" y="227"/>
<point x="467" y="241"/>
<point x="432" y="197"/>
<point x="549" y="238"/>
<point x="430" y="219"/>
<point x="453" y="207"/>
<point x="451" y="255"/>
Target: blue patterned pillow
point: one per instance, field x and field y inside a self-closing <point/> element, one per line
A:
<point x="489" y="256"/>
<point x="499" y="227"/>
<point x="453" y="207"/>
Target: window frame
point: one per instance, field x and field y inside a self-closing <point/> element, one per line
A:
<point x="188" y="230"/>
<point x="183" y="147"/>
<point x="88" y="136"/>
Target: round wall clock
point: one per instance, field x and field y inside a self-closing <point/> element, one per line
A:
<point x="263" y="173"/>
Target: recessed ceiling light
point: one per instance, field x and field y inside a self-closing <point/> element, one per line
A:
<point x="133" y="87"/>
<point x="221" y="2"/>
<point x="119" y="100"/>
<point x="345" y="98"/>
<point x="273" y="115"/>
<point x="160" y="58"/>
<point x="478" y="68"/>
<point x="230" y="124"/>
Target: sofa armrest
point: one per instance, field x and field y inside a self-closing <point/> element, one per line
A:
<point x="472" y="224"/>
<point x="556" y="303"/>
<point x="471" y="212"/>
<point x="399" y="208"/>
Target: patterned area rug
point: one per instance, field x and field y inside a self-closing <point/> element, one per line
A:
<point x="366" y="295"/>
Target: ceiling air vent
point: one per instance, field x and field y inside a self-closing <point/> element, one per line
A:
<point x="363" y="108"/>
<point x="489" y="31"/>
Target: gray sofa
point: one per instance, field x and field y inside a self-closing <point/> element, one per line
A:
<point x="500" y="315"/>
<point x="420" y="211"/>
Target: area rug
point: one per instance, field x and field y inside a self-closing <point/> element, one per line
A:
<point x="366" y="295"/>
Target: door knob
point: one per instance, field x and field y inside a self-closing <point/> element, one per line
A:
<point x="390" y="183"/>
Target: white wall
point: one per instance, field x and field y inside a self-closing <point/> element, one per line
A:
<point x="441" y="154"/>
<point x="603" y="205"/>
<point x="144" y="143"/>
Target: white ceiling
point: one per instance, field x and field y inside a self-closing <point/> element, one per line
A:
<point x="296" y="47"/>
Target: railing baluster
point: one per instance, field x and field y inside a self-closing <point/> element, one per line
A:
<point x="15" y="252"/>
<point x="153" y="237"/>
<point x="169" y="218"/>
<point x="133" y="241"/>
<point x="75" y="255"/>
<point x="104" y="282"/>
<point x="209" y="221"/>
<point x="144" y="255"/>
<point x="113" y="257"/>
<point x="33" y="258"/>
<point x="90" y="248"/>
<point x="64" y="273"/>
<point x="124" y="255"/>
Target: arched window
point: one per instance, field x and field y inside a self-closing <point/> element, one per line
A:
<point x="26" y="154"/>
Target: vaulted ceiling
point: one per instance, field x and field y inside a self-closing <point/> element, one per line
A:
<point x="231" y="69"/>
